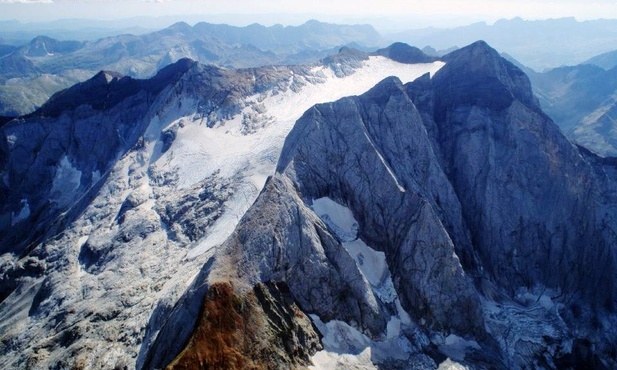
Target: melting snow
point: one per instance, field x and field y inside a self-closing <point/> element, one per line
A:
<point x="451" y="365"/>
<point x="344" y="347"/>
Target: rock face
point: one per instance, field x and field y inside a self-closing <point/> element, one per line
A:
<point x="497" y="233"/>
<point x="51" y="158"/>
<point x="117" y="191"/>
<point x="280" y="335"/>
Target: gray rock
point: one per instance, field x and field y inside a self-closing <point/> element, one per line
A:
<point x="494" y="226"/>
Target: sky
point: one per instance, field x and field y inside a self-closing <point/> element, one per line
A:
<point x="388" y="13"/>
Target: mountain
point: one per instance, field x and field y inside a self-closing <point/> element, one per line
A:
<point x="29" y="73"/>
<point x="607" y="60"/>
<point x="539" y="44"/>
<point x="359" y="213"/>
<point x="17" y="33"/>
<point x="440" y="222"/>
<point x="312" y="35"/>
<point x="405" y="54"/>
<point x="580" y="100"/>
<point x="117" y="191"/>
<point x="6" y="49"/>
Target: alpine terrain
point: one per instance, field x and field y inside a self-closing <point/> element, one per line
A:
<point x="382" y="211"/>
<point x="117" y="191"/>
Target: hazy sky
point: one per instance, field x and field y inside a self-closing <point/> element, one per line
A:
<point x="437" y="11"/>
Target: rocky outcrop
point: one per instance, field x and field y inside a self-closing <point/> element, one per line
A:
<point x="53" y="159"/>
<point x="497" y="231"/>
<point x="261" y="329"/>
<point x="133" y="187"/>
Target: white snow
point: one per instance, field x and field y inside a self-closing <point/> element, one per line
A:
<point x="339" y="218"/>
<point x="371" y="263"/>
<point x="324" y="360"/>
<point x="341" y="341"/>
<point x="344" y="347"/>
<point x="199" y="151"/>
<point x="456" y="347"/>
<point x="65" y="183"/>
<point x="448" y="364"/>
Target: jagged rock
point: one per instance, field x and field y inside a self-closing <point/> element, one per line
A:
<point x="496" y="230"/>
<point x="118" y="218"/>
<point x="260" y="329"/>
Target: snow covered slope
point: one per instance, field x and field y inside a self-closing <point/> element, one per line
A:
<point x="124" y="238"/>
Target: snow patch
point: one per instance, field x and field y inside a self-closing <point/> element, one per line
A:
<point x="448" y="364"/>
<point x="324" y="360"/>
<point x="65" y="183"/>
<point x="341" y="341"/>
<point x="338" y="218"/>
<point x="456" y="347"/>
<point x="371" y="263"/>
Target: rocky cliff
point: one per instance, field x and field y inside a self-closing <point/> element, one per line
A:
<point x="447" y="218"/>
<point x="117" y="191"/>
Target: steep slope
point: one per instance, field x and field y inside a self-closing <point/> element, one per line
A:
<point x="448" y="217"/>
<point x="109" y="222"/>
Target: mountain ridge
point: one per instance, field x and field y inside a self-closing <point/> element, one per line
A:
<point x="113" y="234"/>
<point x="471" y="237"/>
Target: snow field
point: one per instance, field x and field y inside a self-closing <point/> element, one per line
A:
<point x="199" y="151"/>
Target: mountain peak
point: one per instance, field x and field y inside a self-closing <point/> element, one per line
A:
<point x="106" y="77"/>
<point x="404" y="53"/>
<point x="478" y="49"/>
<point x="181" y="26"/>
<point x="384" y="90"/>
<point x="479" y="65"/>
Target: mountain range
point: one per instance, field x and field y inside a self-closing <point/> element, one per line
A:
<point x="30" y="74"/>
<point x="582" y="100"/>
<point x="539" y="44"/>
<point x="374" y="210"/>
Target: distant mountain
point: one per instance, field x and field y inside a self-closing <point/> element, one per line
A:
<point x="581" y="100"/>
<point x="142" y="55"/>
<point x="43" y="46"/>
<point x="312" y="35"/>
<point x="540" y="44"/>
<point x="6" y="49"/>
<point x="18" y="33"/>
<point x="607" y="60"/>
<point x="404" y="53"/>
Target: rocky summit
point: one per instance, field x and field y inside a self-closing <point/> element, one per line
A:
<point x="443" y="222"/>
<point x="375" y="211"/>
